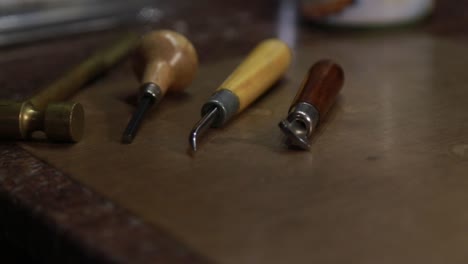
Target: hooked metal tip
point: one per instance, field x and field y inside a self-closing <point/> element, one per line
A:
<point x="202" y="125"/>
<point x="295" y="134"/>
<point x="193" y="140"/>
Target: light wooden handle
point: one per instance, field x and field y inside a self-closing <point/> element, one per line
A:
<point x="167" y="59"/>
<point x="259" y="71"/>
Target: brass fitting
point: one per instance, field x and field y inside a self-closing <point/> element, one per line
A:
<point x="63" y="122"/>
<point x="60" y="121"/>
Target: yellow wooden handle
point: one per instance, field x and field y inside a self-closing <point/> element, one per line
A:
<point x="259" y="71"/>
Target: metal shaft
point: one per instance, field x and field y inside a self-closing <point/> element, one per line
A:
<point x="130" y="132"/>
<point x="151" y="94"/>
<point x="61" y="121"/>
<point x="202" y="125"/>
<point x="84" y="72"/>
<point x="252" y="78"/>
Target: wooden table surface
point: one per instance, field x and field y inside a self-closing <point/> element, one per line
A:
<point x="404" y="204"/>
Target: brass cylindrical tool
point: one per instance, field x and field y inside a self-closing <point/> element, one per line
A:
<point x="260" y="70"/>
<point x="165" y="60"/>
<point x="314" y="99"/>
<point x="61" y="121"/>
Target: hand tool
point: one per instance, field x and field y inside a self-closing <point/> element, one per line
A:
<point x="314" y="99"/>
<point x="260" y="70"/>
<point x="165" y="60"/>
<point x="61" y="121"/>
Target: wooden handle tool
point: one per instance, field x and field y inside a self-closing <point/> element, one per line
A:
<point x="165" y="60"/>
<point x="313" y="101"/>
<point x="257" y="73"/>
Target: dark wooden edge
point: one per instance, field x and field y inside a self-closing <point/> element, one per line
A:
<point x="52" y="218"/>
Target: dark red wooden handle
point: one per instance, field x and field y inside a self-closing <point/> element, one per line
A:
<point x="321" y="86"/>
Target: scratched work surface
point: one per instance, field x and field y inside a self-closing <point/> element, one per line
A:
<point x="385" y="181"/>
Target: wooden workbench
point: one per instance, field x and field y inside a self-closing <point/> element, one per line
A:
<point x="384" y="183"/>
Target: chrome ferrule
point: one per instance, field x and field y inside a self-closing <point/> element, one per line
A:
<point x="306" y="114"/>
<point x="227" y="104"/>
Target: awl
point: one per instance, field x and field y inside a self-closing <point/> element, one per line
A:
<point x="257" y="73"/>
<point x="165" y="60"/>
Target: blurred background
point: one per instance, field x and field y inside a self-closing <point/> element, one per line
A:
<point x="27" y="20"/>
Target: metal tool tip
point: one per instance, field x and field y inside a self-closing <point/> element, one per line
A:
<point x="127" y="139"/>
<point x="193" y="140"/>
<point x="296" y="136"/>
<point x="135" y="121"/>
<point x="202" y="125"/>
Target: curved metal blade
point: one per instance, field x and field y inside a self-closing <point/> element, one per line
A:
<point x="296" y="134"/>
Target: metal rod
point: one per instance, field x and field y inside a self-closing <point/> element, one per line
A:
<point x="202" y="126"/>
<point x="102" y="60"/>
<point x="144" y="105"/>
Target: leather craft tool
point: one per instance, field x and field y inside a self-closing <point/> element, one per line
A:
<point x="165" y="61"/>
<point x="260" y="70"/>
<point x="61" y="121"/>
<point x="314" y="99"/>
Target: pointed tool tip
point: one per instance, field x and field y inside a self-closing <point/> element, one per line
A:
<point x="135" y="122"/>
<point x="127" y="139"/>
<point x="193" y="141"/>
<point x="204" y="123"/>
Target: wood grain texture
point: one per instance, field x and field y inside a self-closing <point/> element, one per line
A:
<point x="52" y="219"/>
<point x="265" y="65"/>
<point x="396" y="142"/>
<point x="28" y="68"/>
<point x="321" y="86"/>
<point x="380" y="226"/>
